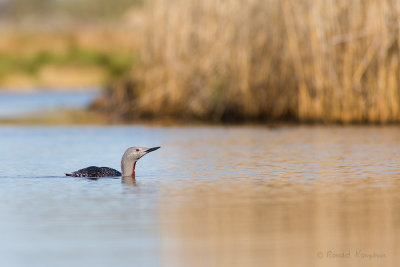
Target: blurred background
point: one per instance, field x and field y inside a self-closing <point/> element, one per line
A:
<point x="50" y="44"/>
<point x="57" y="56"/>
<point x="234" y="61"/>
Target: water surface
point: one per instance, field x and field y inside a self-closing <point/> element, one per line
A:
<point x="211" y="196"/>
<point x="20" y="104"/>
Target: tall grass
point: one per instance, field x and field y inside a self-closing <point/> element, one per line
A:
<point x="308" y="60"/>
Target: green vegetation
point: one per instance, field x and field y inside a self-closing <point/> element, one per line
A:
<point x="65" y="43"/>
<point x="64" y="57"/>
<point x="115" y="63"/>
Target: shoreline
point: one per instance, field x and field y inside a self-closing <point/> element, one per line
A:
<point x="86" y="116"/>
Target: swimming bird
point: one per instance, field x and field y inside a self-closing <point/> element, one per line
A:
<point x="128" y="163"/>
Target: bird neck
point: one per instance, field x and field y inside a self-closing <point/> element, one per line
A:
<point x="133" y="169"/>
<point x="128" y="168"/>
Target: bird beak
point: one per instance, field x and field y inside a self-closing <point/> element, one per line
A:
<point x="152" y="149"/>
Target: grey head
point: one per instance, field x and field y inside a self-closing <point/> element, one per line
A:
<point x="131" y="156"/>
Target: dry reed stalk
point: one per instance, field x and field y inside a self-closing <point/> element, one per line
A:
<point x="321" y="60"/>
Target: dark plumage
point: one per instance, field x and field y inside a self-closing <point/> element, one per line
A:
<point x="94" y="171"/>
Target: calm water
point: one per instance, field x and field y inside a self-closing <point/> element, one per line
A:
<point x="19" y="104"/>
<point x="211" y="196"/>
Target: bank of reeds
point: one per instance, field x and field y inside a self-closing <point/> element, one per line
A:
<point x="307" y="60"/>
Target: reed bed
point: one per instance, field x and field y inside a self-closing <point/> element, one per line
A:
<point x="227" y="60"/>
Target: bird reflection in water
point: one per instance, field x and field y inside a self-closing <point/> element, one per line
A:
<point x="129" y="180"/>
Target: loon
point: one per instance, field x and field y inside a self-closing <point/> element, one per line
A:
<point x="128" y="163"/>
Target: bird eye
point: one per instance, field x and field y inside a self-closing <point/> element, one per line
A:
<point x="137" y="150"/>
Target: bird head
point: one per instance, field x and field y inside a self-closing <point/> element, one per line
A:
<point x="131" y="155"/>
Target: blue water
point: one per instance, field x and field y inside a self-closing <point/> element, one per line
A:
<point x="211" y="196"/>
<point x="18" y="104"/>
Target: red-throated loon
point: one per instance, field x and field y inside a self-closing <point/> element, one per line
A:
<point x="128" y="163"/>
